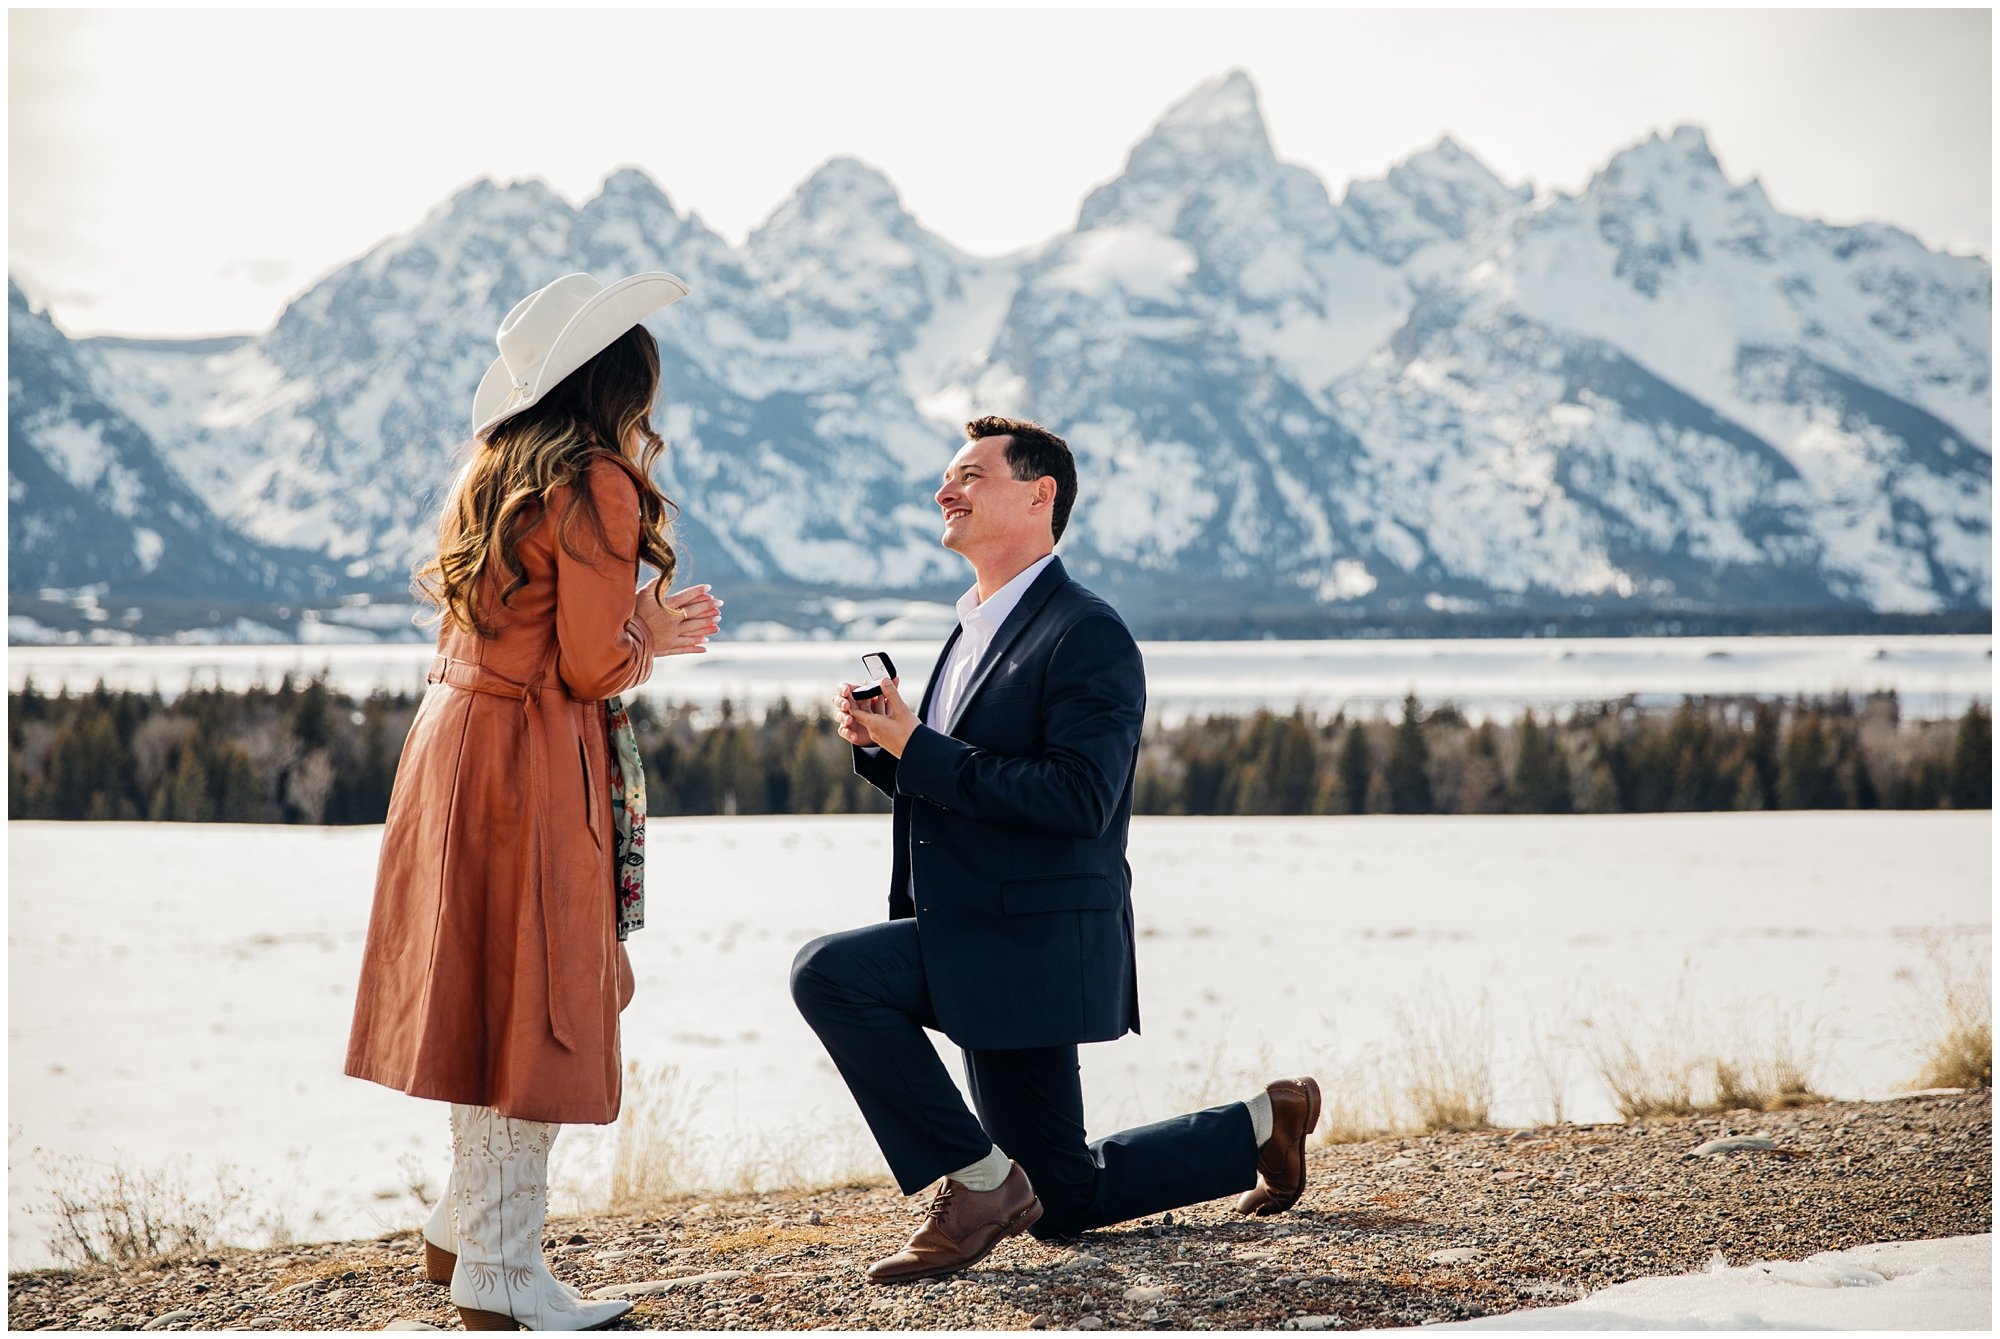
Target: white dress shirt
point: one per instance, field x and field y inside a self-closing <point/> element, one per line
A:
<point x="978" y="621"/>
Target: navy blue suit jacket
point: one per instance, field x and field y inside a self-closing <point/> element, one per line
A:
<point x="1013" y="820"/>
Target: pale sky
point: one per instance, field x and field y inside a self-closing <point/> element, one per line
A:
<point x="188" y="172"/>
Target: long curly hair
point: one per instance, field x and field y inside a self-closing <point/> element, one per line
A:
<point x="503" y="490"/>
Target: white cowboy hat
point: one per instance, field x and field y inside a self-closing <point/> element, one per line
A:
<point x="557" y="329"/>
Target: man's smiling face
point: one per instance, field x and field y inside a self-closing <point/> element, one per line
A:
<point x="985" y="506"/>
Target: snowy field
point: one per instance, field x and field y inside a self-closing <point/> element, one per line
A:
<point x="195" y="1008"/>
<point x="1936" y="676"/>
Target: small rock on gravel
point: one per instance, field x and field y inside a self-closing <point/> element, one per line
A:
<point x="1454" y="1255"/>
<point x="1313" y="1323"/>
<point x="1080" y="1261"/>
<point x="1753" y="1143"/>
<point x="1092" y="1322"/>
<point x="172" y="1320"/>
<point x="400" y="1324"/>
<point x="1142" y="1296"/>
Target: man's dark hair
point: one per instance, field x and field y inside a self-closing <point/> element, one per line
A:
<point x="1034" y="452"/>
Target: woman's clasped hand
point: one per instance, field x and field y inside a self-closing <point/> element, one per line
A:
<point x="683" y="625"/>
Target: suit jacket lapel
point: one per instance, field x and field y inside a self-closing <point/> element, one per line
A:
<point x="937" y="673"/>
<point x="1032" y="599"/>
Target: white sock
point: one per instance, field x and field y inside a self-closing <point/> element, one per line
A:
<point x="987" y="1173"/>
<point x="1260" y="1117"/>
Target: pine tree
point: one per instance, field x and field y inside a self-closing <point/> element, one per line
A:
<point x="311" y="715"/>
<point x="1276" y="772"/>
<point x="87" y="761"/>
<point x="1971" y="784"/>
<point x="1805" y="779"/>
<point x="1482" y="785"/>
<point x="1541" y="783"/>
<point x="1749" y="787"/>
<point x="183" y="796"/>
<point x="1600" y="791"/>
<point x="811" y="774"/>
<point x="239" y="793"/>
<point x="1354" y="768"/>
<point x="1409" y="764"/>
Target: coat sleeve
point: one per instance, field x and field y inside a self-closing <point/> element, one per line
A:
<point x="876" y="766"/>
<point x="602" y="646"/>
<point x="1093" y="709"/>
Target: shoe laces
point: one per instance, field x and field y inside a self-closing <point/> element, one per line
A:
<point x="938" y="1206"/>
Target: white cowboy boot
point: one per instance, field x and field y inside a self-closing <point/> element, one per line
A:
<point x="441" y="1233"/>
<point x="501" y="1191"/>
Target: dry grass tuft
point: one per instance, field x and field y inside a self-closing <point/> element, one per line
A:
<point x="108" y="1215"/>
<point x="660" y="1158"/>
<point x="1447" y="1061"/>
<point x="1963" y="1059"/>
<point x="779" y="1235"/>
<point x="1680" y="1062"/>
<point x="1958" y="1015"/>
<point x="343" y="1264"/>
<point x="1358" y="1103"/>
<point x="1436" y="1076"/>
<point x="656" y="1160"/>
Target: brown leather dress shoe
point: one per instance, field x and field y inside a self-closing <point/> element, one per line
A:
<point x="1281" y="1163"/>
<point x="961" y="1228"/>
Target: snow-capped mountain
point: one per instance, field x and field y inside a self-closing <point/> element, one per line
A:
<point x="92" y="506"/>
<point x="1440" y="390"/>
<point x="1662" y="387"/>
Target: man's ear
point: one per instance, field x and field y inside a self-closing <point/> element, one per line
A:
<point x="1045" y="496"/>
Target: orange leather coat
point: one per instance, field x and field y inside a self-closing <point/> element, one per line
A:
<point x="492" y="974"/>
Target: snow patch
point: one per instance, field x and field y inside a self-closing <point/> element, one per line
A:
<point x="1943" y="1284"/>
<point x="1131" y="260"/>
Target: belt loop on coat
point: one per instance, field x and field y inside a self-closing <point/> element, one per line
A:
<point x="478" y="678"/>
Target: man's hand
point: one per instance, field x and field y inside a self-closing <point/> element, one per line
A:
<point x="884" y="721"/>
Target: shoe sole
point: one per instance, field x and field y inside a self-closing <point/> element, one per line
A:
<point x="1311" y="1085"/>
<point x="1015" y="1226"/>
<point x="496" y="1320"/>
<point x="438" y="1263"/>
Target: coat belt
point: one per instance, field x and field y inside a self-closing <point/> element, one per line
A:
<point x="477" y="678"/>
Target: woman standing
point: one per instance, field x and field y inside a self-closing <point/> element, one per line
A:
<point x="494" y="973"/>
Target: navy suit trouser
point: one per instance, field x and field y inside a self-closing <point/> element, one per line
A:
<point x="864" y="992"/>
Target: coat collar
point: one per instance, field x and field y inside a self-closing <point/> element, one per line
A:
<point x="1031" y="602"/>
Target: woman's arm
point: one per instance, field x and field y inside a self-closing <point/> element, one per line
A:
<point x="602" y="646"/>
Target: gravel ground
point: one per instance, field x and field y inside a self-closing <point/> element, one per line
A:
<point x="1395" y="1232"/>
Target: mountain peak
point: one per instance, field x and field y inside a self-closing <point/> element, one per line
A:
<point x="1441" y="192"/>
<point x="487" y="199"/>
<point x="1682" y="154"/>
<point x="1211" y="143"/>
<point x="487" y="188"/>
<point x="1220" y="119"/>
<point x="846" y="183"/>
<point x="1229" y="99"/>
<point x="632" y="185"/>
<point x="1447" y="158"/>
<point x="1691" y="142"/>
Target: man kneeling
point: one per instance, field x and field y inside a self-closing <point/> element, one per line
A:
<point x="1010" y="911"/>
